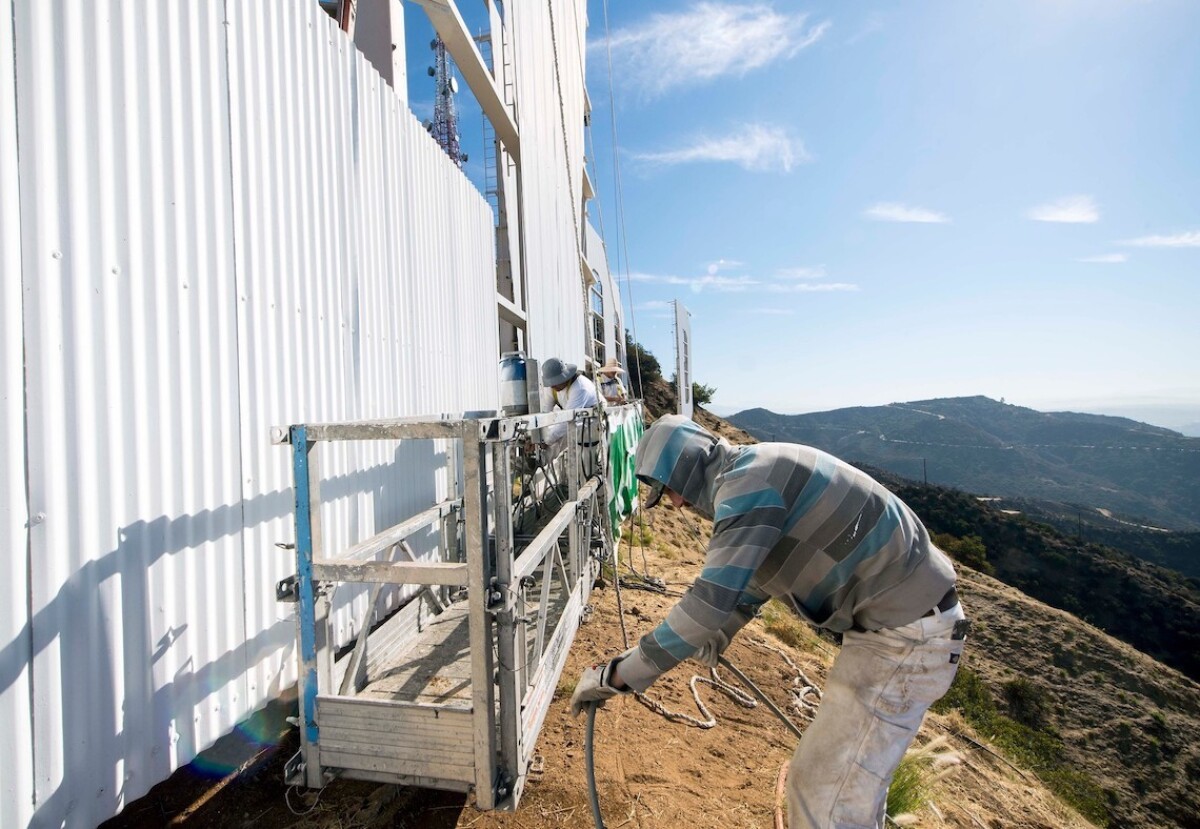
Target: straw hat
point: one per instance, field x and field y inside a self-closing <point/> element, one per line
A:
<point x="611" y="367"/>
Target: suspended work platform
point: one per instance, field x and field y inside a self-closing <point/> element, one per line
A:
<point x="451" y="690"/>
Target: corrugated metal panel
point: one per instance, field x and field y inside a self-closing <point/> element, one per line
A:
<point x="127" y="253"/>
<point x="366" y="276"/>
<point x="225" y="222"/>
<point x="552" y="170"/>
<point x="159" y="358"/>
<point x="614" y="313"/>
<point x="16" y="746"/>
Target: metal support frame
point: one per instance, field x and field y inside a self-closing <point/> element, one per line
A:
<point x="523" y="600"/>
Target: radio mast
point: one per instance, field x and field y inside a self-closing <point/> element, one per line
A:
<point x="444" y="126"/>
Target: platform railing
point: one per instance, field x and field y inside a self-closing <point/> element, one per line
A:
<point x="524" y="597"/>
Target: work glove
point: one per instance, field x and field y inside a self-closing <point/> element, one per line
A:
<point x="710" y="652"/>
<point x="594" y="686"/>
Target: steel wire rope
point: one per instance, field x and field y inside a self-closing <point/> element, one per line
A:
<point x="575" y="207"/>
<point x="622" y="235"/>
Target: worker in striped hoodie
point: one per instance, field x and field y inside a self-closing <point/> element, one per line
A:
<point x="831" y="543"/>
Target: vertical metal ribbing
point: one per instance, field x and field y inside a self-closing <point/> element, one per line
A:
<point x="306" y="614"/>
<point x="482" y="695"/>
<point x="507" y="652"/>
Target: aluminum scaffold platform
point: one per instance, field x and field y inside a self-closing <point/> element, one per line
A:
<point x="451" y="690"/>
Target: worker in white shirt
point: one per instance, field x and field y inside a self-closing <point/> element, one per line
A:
<point x="611" y="387"/>
<point x="570" y="390"/>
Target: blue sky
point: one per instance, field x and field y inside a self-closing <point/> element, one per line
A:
<point x="869" y="202"/>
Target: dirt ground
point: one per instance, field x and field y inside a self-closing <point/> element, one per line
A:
<point x="650" y="772"/>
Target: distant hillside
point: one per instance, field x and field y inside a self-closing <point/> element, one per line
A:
<point x="1173" y="550"/>
<point x="1153" y="609"/>
<point x="1138" y="472"/>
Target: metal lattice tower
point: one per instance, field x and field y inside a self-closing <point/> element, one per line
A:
<point x="444" y="126"/>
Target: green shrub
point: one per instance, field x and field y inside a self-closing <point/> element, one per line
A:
<point x="1039" y="751"/>
<point x="643" y="366"/>
<point x="1027" y="703"/>
<point x="970" y="550"/>
<point x="908" y="790"/>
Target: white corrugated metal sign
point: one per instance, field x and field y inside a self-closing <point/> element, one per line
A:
<point x="683" y="359"/>
<point x="131" y="365"/>
<point x="552" y="171"/>
<point x="16" y="784"/>
<point x="237" y="227"/>
<point x="223" y="221"/>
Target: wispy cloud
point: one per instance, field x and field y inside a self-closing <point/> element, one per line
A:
<point x="717" y="283"/>
<point x="873" y="24"/>
<point x="810" y="287"/>
<point x="817" y="272"/>
<point x="756" y="147"/>
<point x="1178" y="240"/>
<point x="723" y="265"/>
<point x="1106" y="259"/>
<point x="708" y="40"/>
<point x="894" y="212"/>
<point x="1070" y="209"/>
<point x="656" y="308"/>
<point x="725" y="284"/>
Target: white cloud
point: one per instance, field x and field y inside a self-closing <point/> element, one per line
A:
<point x="705" y="41"/>
<point x="721" y="284"/>
<point x="811" y="287"/>
<point x="1106" y="258"/>
<point x="893" y="212"/>
<point x="873" y="24"/>
<point x="756" y="147"/>
<point x="771" y="311"/>
<point x="817" y="272"/>
<point x="722" y="265"/>
<point x="1071" y="209"/>
<point x="1179" y="240"/>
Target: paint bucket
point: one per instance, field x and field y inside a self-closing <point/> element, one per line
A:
<point x="513" y="384"/>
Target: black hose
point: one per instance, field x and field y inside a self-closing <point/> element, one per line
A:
<point x="590" y="765"/>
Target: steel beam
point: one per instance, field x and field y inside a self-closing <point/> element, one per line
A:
<point x="453" y="31"/>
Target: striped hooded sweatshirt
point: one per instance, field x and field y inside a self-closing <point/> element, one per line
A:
<point x="789" y="522"/>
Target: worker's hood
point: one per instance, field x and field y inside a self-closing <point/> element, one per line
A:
<point x="685" y="458"/>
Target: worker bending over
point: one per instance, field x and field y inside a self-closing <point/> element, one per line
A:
<point x="831" y="543"/>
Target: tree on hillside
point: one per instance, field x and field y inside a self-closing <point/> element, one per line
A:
<point x="703" y="394"/>
<point x="643" y="366"/>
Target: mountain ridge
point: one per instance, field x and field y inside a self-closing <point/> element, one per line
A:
<point x="1139" y="472"/>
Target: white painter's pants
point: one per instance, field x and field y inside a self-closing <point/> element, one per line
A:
<point x="877" y="693"/>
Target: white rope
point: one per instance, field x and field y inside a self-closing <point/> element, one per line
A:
<point x="740" y="697"/>
<point x="802" y="686"/>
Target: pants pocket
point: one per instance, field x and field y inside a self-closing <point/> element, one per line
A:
<point x="862" y="800"/>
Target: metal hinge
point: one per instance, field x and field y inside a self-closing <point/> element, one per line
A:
<point x="285" y="590"/>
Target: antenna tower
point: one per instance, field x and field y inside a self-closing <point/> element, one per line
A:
<point x="444" y="126"/>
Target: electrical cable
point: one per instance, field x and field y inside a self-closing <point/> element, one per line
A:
<point x="590" y="765"/>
